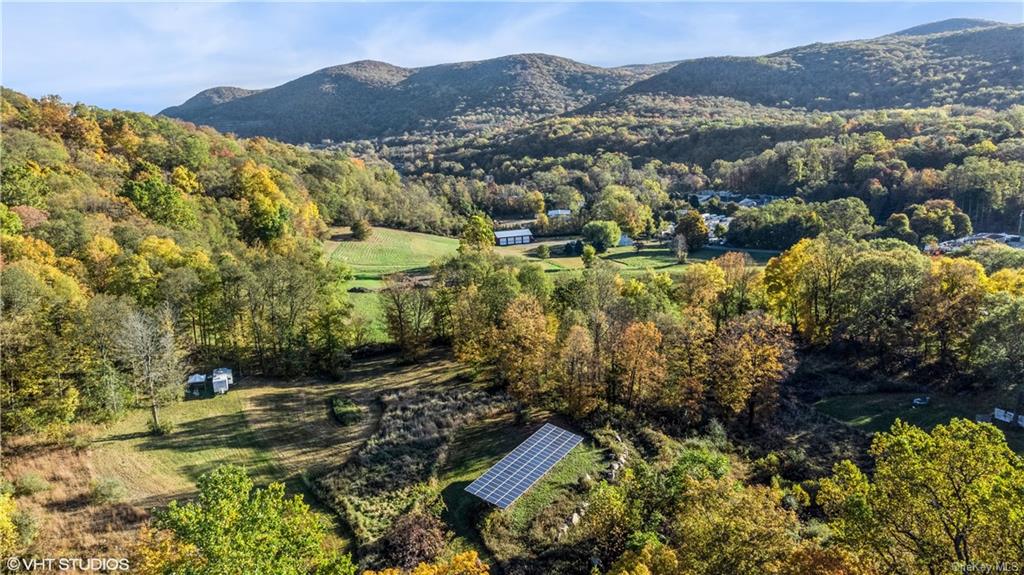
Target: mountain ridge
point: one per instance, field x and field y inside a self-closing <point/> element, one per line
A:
<point x="958" y="61"/>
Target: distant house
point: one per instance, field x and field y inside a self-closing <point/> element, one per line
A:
<point x="559" y="213"/>
<point x="513" y="237"/>
<point x="625" y="240"/>
<point x="747" y="203"/>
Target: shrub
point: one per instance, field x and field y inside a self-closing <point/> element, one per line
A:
<point x="107" y="490"/>
<point x="30" y="484"/>
<point x="414" y="538"/>
<point x="361" y="229"/>
<point x="345" y="411"/>
<point x="589" y="255"/>
<point x="702" y="464"/>
<point x="27" y="527"/>
<point x="543" y="251"/>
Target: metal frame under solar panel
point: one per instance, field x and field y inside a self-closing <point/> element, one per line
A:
<point x="525" y="465"/>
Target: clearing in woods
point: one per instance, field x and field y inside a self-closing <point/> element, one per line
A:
<point x="279" y="430"/>
<point x="874" y="412"/>
<point x="388" y="251"/>
<point x="385" y="252"/>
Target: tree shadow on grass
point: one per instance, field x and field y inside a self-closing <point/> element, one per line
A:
<point x="463" y="511"/>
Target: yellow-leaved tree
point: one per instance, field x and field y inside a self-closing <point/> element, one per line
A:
<point x="467" y="563"/>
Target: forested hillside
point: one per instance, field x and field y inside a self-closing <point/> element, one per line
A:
<point x="975" y="67"/>
<point x="113" y="215"/>
<point x="956" y="62"/>
<point x="370" y="99"/>
<point x="890" y="159"/>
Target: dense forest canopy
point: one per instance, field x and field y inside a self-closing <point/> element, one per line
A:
<point x="369" y="99"/>
<point x="976" y="67"/>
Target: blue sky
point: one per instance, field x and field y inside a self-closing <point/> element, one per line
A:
<point x="148" y="56"/>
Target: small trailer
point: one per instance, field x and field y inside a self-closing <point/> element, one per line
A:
<point x="201" y="385"/>
<point x="220" y="384"/>
<point x="226" y="373"/>
<point x="196" y="385"/>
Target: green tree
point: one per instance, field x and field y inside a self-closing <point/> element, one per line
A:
<point x="997" y="340"/>
<point x="939" y="218"/>
<point x="690" y="225"/>
<point x="477" y="235"/>
<point x="234" y="527"/>
<point x="149" y="190"/>
<point x="936" y="501"/>
<point x="898" y="226"/>
<point x="10" y="223"/>
<point x="602" y="234"/>
<point x="618" y="204"/>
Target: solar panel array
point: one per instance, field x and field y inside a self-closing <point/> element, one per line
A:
<point x="524" y="466"/>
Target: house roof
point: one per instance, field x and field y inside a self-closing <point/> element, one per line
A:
<point x="559" y="213"/>
<point x="513" y="233"/>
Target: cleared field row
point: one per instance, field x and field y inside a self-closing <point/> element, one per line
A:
<point x="388" y="251"/>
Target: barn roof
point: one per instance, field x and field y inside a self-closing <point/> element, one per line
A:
<point x="513" y="233"/>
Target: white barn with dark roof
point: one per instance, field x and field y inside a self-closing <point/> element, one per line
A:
<point x="513" y="237"/>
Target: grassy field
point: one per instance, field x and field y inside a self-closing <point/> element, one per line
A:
<point x="385" y="252"/>
<point x="279" y="430"/>
<point x="664" y="259"/>
<point x="388" y="251"/>
<point x="875" y="412"/>
<point x="205" y="433"/>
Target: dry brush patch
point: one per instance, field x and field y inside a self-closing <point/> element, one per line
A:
<point x="391" y="473"/>
<point x="69" y="518"/>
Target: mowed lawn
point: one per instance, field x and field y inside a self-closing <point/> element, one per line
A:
<point x="874" y="412"/>
<point x="385" y="252"/>
<point x="388" y="251"/>
<point x="664" y="259"/>
<point x="205" y="433"/>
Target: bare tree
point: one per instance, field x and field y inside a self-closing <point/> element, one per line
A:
<point x="147" y="344"/>
<point x="407" y="311"/>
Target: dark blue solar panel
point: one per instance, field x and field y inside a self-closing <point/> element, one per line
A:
<point x="524" y="466"/>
